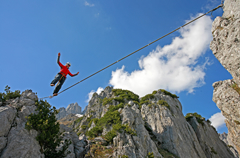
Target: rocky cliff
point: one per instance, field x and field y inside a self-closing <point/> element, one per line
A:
<point x="226" y="48"/>
<point x="17" y="141"/>
<point x="224" y="137"/>
<point x="120" y="124"/>
<point x="72" y="108"/>
<point x="117" y="123"/>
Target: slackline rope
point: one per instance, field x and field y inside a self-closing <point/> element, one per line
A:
<point x="221" y="5"/>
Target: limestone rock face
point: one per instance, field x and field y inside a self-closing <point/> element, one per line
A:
<point x="67" y="120"/>
<point x="224" y="137"/>
<point x="72" y="108"/>
<point x="170" y="127"/>
<point x="16" y="141"/>
<point x="61" y="114"/>
<point x="226" y="48"/>
<point x="134" y="146"/>
<point x="209" y="140"/>
<point x="77" y="148"/>
<point x="120" y="124"/>
<point x="228" y="101"/>
<point x="226" y="38"/>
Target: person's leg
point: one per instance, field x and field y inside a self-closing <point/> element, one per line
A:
<point x="59" y="85"/>
<point x="56" y="79"/>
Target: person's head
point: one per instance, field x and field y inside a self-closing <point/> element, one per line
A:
<point x="68" y="64"/>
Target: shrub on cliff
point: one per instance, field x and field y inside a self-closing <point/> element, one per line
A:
<point x="9" y="95"/>
<point x="199" y="118"/>
<point x="49" y="136"/>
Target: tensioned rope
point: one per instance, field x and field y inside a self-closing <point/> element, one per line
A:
<point x="139" y="49"/>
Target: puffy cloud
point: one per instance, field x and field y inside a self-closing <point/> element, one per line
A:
<point x="217" y="120"/>
<point x="99" y="90"/>
<point x="173" y="67"/>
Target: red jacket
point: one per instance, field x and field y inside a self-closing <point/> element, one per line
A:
<point x="64" y="70"/>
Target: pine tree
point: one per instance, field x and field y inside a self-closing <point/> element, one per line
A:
<point x="49" y="136"/>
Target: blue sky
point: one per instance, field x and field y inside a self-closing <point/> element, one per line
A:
<point x="93" y="34"/>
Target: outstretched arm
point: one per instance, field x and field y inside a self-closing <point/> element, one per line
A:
<point x="58" y="60"/>
<point x="58" y="57"/>
<point x="73" y="74"/>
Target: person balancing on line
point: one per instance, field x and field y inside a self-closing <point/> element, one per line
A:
<point x="61" y="76"/>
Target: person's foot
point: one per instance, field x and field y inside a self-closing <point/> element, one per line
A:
<point x="55" y="94"/>
<point x="51" y="84"/>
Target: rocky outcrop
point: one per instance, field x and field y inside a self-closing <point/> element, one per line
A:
<point x="224" y="137"/>
<point x="170" y="127"/>
<point x="226" y="47"/>
<point x="126" y="125"/>
<point x="72" y="108"/>
<point x="209" y="140"/>
<point x="17" y="141"/>
<point x="77" y="147"/>
<point x="228" y="101"/>
<point x="67" y="120"/>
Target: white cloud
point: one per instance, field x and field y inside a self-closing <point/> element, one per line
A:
<point x="88" y="4"/>
<point x="173" y="67"/>
<point x="99" y="90"/>
<point x="217" y="120"/>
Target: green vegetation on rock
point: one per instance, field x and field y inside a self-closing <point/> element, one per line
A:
<point x="8" y="95"/>
<point x="236" y="88"/>
<point x="167" y="154"/>
<point x="98" y="150"/>
<point x="147" y="97"/>
<point x="119" y="128"/>
<point x="163" y="103"/>
<point x="95" y="120"/>
<point x="125" y="94"/>
<point x="237" y="122"/>
<point x="83" y="127"/>
<point x="213" y="151"/>
<point x="154" y="92"/>
<point x="150" y="155"/>
<point x="111" y="118"/>
<point x="49" y="136"/>
<point x="121" y="95"/>
<point x="78" y="120"/>
<point x="199" y="118"/>
<point x="168" y="93"/>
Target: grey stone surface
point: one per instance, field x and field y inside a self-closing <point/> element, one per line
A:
<point x="18" y="142"/>
<point x="3" y="143"/>
<point x="170" y="127"/>
<point x="209" y="140"/>
<point x="77" y="148"/>
<point x="7" y="115"/>
<point x="226" y="47"/>
<point x="161" y="130"/>
<point x="72" y="108"/>
<point x="61" y="113"/>
<point x="134" y="146"/>
<point x="224" y="137"/>
<point x="228" y="101"/>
